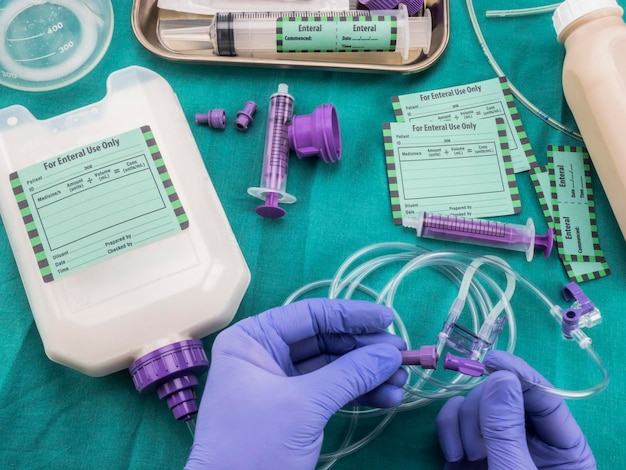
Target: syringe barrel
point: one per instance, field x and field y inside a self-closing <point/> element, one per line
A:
<point x="276" y="152"/>
<point x="482" y="232"/>
<point x="249" y="34"/>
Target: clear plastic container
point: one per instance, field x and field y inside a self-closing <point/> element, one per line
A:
<point x="594" y="82"/>
<point x="47" y="44"/>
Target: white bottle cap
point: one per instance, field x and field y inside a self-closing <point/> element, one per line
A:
<point x="571" y="10"/>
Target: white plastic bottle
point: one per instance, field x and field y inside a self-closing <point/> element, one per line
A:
<point x="125" y="252"/>
<point x="594" y="83"/>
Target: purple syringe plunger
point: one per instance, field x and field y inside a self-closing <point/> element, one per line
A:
<point x="483" y="232"/>
<point x="172" y="372"/>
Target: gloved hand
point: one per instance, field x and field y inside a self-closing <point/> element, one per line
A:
<point x="511" y="424"/>
<point x="277" y="378"/>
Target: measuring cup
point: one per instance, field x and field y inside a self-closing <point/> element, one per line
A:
<point x="47" y="44"/>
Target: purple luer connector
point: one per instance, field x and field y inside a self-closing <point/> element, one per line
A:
<point x="463" y="365"/>
<point x="172" y="372"/>
<point x="214" y="118"/>
<point x="425" y="356"/>
<point x="244" y="117"/>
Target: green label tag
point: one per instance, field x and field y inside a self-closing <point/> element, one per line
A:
<point x="97" y="201"/>
<point x="358" y="33"/>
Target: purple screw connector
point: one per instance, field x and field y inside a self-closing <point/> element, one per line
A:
<point x="214" y="118"/>
<point x="463" y="365"/>
<point x="172" y="372"/>
<point x="425" y="356"/>
<point x="244" y="117"/>
<point x="412" y="6"/>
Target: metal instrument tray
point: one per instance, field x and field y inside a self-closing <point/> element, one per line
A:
<point x="146" y="16"/>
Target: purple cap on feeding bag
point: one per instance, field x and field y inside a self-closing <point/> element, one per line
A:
<point x="172" y="371"/>
<point x="412" y="6"/>
<point x="316" y="134"/>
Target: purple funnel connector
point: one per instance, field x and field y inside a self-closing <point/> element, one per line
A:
<point x="172" y="371"/>
<point x="317" y="134"/>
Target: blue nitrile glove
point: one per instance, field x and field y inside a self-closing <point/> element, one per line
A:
<point x="277" y="378"/>
<point x="510" y="424"/>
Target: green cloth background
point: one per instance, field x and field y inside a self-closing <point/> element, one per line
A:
<point x="55" y="418"/>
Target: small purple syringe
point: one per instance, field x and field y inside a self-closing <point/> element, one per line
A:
<point x="312" y="135"/>
<point x="490" y="233"/>
<point x="276" y="156"/>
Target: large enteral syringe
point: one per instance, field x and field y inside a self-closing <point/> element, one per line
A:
<point x="262" y="33"/>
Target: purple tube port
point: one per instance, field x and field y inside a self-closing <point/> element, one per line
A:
<point x="172" y="371"/>
<point x="214" y="118"/>
<point x="425" y="356"/>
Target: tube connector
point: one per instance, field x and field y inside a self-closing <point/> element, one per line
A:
<point x="214" y="118"/>
<point x="244" y="117"/>
<point x="463" y="365"/>
<point x="582" y="314"/>
<point x="425" y="356"/>
<point x="172" y="371"/>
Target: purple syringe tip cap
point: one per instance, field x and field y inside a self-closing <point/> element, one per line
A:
<point x="463" y="365"/>
<point x="412" y="6"/>
<point x="271" y="209"/>
<point x="214" y="118"/>
<point x="546" y="241"/>
<point x="172" y="372"/>
<point x="316" y="134"/>
<point x="425" y="356"/>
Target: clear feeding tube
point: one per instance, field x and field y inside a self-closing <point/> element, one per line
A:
<point x="481" y="297"/>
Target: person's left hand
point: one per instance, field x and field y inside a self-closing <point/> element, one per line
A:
<point x="277" y="378"/>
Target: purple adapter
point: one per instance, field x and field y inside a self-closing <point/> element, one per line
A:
<point x="172" y="371"/>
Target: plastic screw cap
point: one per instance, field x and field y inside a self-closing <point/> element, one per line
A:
<point x="570" y="10"/>
<point x="317" y="134"/>
<point x="172" y="372"/>
<point x="244" y="117"/>
<point x="412" y="6"/>
<point x="214" y="118"/>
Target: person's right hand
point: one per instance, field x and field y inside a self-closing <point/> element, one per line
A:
<point x="506" y="424"/>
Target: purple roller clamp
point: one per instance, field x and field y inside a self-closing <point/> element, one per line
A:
<point x="317" y="134"/>
<point x="172" y="372"/>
